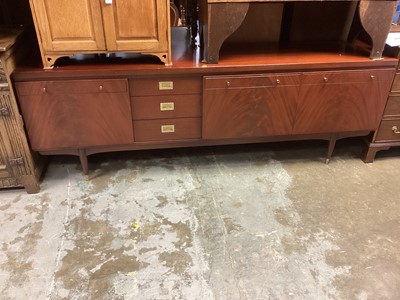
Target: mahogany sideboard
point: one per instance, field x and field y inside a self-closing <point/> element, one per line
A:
<point x="253" y="96"/>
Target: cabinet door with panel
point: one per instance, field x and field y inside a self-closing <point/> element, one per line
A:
<point x="249" y="106"/>
<point x="73" y="114"/>
<point x="69" y="25"/>
<point x="136" y="24"/>
<point x="341" y="101"/>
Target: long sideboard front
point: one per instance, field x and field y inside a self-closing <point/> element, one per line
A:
<point x="92" y="108"/>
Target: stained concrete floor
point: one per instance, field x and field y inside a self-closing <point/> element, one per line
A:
<point x="268" y="221"/>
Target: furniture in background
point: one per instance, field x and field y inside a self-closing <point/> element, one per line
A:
<point x="66" y="28"/>
<point x="388" y="133"/>
<point x="219" y="19"/>
<point x="18" y="167"/>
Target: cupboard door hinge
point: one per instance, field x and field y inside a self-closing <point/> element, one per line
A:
<point x="16" y="161"/>
<point x="4" y="111"/>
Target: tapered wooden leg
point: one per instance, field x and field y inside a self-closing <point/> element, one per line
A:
<point x="84" y="161"/>
<point x="331" y="147"/>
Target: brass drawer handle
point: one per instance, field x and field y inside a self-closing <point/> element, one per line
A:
<point x="228" y="84"/>
<point x="278" y="81"/>
<point x="167" y="106"/>
<point x="165" y="85"/>
<point x="167" y="128"/>
<point x="100" y="87"/>
<point x="395" y="130"/>
<point x="44" y="90"/>
<point x="325" y="79"/>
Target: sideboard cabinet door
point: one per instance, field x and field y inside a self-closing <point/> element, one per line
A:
<point x="62" y="26"/>
<point x="136" y="24"/>
<point x="249" y="105"/>
<point x="76" y="114"/>
<point x="341" y="101"/>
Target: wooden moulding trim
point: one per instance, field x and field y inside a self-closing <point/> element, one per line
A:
<point x="197" y="143"/>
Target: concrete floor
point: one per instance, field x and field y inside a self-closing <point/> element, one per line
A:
<point x="267" y="221"/>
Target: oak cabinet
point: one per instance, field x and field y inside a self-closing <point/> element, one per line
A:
<point x="66" y="28"/>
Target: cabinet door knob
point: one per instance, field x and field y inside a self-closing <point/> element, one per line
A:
<point x="228" y="83"/>
<point x="44" y="90"/>
<point x="372" y="76"/>
<point x="100" y="87"/>
<point x="395" y="130"/>
<point x="278" y="81"/>
<point x="325" y="79"/>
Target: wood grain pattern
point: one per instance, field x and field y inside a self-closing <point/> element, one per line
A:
<point x="249" y="106"/>
<point x="13" y="141"/>
<point x="392" y="106"/>
<point x="65" y="27"/>
<point x="148" y="107"/>
<point x="350" y="105"/>
<point x="386" y="132"/>
<point x="66" y="119"/>
<point x="150" y="130"/>
<point x="151" y="86"/>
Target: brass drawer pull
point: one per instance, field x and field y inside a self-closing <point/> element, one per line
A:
<point x="325" y="79"/>
<point x="165" y="85"/>
<point x="395" y="130"/>
<point x="228" y="84"/>
<point x="44" y="90"/>
<point x="167" y="106"/>
<point x="278" y="81"/>
<point x="167" y="128"/>
<point x="100" y="87"/>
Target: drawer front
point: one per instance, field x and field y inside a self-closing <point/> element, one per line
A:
<point x="251" y="81"/>
<point x="393" y="105"/>
<point x="164" y="86"/>
<point x="72" y="87"/>
<point x="159" y="107"/>
<point x="347" y="76"/>
<point x="167" y="129"/>
<point x="389" y="131"/>
<point x="396" y="83"/>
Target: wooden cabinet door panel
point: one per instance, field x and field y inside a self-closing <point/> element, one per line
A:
<point x="69" y="25"/>
<point x="252" y="111"/>
<point x="76" y="120"/>
<point x="341" y="107"/>
<point x="136" y="24"/>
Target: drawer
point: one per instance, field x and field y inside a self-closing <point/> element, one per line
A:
<point x="347" y="76"/>
<point x="72" y="87"/>
<point x="389" y="131"/>
<point x="158" y="107"/>
<point x="393" y="105"/>
<point x="167" y="129"/>
<point x="396" y="84"/>
<point x="250" y="81"/>
<point x="164" y="86"/>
